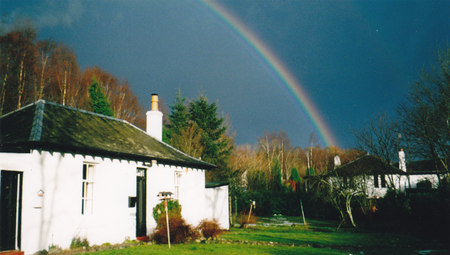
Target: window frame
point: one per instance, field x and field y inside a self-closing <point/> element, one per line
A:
<point x="87" y="188"/>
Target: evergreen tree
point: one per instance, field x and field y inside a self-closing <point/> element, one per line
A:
<point x="275" y="176"/>
<point x="204" y="114"/>
<point x="98" y="101"/>
<point x="179" y="116"/>
<point x="294" y="175"/>
<point x="294" y="180"/>
<point x="256" y="181"/>
<point x="195" y="128"/>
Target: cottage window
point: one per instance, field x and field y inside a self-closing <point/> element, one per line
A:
<point x="376" y="183"/>
<point x="383" y="181"/>
<point x="87" y="189"/>
<point x="345" y="181"/>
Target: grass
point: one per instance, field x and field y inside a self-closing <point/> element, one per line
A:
<point x="218" y="249"/>
<point x="271" y="236"/>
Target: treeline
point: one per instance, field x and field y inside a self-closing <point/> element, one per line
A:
<point x="32" y="69"/>
<point x="273" y="162"/>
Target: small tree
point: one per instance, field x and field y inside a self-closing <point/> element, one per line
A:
<point x="99" y="103"/>
<point x="275" y="176"/>
<point x="256" y="180"/>
<point x="341" y="195"/>
<point x="294" y="179"/>
<point x="159" y="211"/>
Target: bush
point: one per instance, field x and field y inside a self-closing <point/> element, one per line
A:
<point x="180" y="232"/>
<point x="77" y="242"/>
<point x="209" y="229"/>
<point x="244" y="220"/>
<point x="160" y="210"/>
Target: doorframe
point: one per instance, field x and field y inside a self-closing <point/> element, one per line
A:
<point x="18" y="213"/>
<point x="142" y="206"/>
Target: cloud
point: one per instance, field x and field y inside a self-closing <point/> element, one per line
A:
<point x="48" y="13"/>
<point x="55" y="13"/>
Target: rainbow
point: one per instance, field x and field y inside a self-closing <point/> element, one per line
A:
<point x="276" y="66"/>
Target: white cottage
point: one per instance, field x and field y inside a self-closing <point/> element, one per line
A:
<point x="69" y="173"/>
<point x="375" y="176"/>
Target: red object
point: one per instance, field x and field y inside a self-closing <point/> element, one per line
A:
<point x="143" y="238"/>
<point x="11" y="253"/>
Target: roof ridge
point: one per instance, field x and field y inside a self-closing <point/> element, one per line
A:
<point x="22" y="108"/>
<point x="85" y="111"/>
<point x="36" y="127"/>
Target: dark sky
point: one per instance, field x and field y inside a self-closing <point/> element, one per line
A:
<point x="353" y="58"/>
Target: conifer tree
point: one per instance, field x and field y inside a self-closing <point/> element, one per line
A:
<point x="98" y="101"/>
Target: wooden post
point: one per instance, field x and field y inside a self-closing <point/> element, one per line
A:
<point x="303" y="214"/>
<point x="235" y="206"/>
<point x="230" y="211"/>
<point x="250" y="212"/>
<point x="167" y="222"/>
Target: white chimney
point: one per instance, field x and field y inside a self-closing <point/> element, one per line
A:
<point x="155" y="119"/>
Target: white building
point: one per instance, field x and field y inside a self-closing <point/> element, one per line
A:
<point x="373" y="176"/>
<point x="69" y="173"/>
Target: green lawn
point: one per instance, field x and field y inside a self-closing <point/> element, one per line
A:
<point x="219" y="249"/>
<point x="319" y="238"/>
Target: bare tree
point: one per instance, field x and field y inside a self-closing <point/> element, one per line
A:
<point x="379" y="137"/>
<point x="45" y="49"/>
<point x="275" y="146"/>
<point x="341" y="194"/>
<point x="426" y="113"/>
<point x="66" y="73"/>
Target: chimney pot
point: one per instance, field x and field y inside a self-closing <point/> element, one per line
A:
<point x="155" y="102"/>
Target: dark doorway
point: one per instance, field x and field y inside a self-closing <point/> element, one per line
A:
<point x="10" y="209"/>
<point x="141" y="202"/>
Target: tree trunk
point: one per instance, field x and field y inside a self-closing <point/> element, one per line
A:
<point x="64" y="89"/>
<point x="21" y="82"/>
<point x="41" y="83"/>
<point x="5" y="79"/>
<point x="348" y="206"/>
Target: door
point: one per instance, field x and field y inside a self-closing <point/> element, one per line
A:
<point x="141" y="204"/>
<point x="10" y="209"/>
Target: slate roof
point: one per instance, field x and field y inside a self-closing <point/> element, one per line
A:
<point x="425" y="167"/>
<point x="53" y="127"/>
<point x="366" y="164"/>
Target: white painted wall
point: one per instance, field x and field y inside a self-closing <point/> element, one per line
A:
<point x="217" y="206"/>
<point x="191" y="191"/>
<point x="400" y="182"/>
<point x="55" y="218"/>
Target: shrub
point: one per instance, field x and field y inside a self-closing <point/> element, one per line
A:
<point x="54" y="249"/>
<point x="209" y="229"/>
<point x="77" y="242"/>
<point x="244" y="220"/>
<point x="180" y="232"/>
<point x="159" y="211"/>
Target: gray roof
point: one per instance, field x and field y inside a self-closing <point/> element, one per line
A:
<point x="366" y="164"/>
<point x="53" y="127"/>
